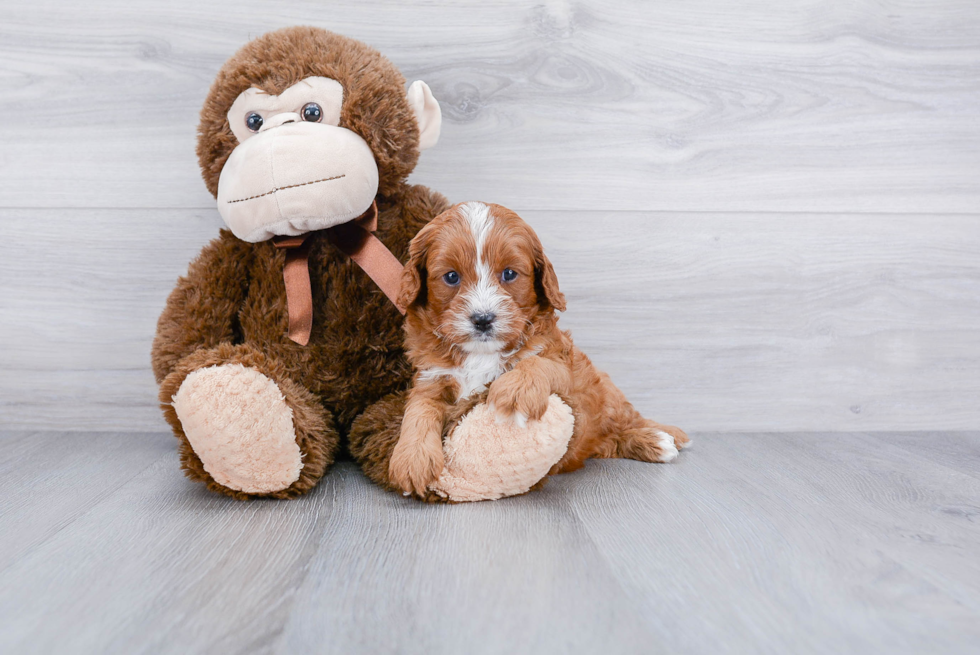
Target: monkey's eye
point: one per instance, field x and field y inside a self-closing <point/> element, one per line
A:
<point x="451" y="278"/>
<point x="509" y="275"/>
<point x="312" y="112"/>
<point x="253" y="122"/>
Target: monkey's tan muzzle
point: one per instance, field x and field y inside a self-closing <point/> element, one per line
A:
<point x="296" y="178"/>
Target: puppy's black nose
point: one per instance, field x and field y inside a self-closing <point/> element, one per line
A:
<point x="483" y="322"/>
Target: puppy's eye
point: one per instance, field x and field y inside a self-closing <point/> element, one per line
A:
<point x="312" y="112"/>
<point x="509" y="275"/>
<point x="253" y="122"/>
<point x="451" y="278"/>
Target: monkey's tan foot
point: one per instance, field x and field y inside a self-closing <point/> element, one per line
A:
<point x="239" y="425"/>
<point x="487" y="459"/>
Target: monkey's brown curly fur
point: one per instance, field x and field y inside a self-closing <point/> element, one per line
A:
<point x="231" y="305"/>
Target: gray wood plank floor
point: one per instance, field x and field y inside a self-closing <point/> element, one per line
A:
<point x="767" y="543"/>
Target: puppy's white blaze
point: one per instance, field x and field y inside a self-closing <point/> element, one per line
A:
<point x="478" y="217"/>
<point x="485" y="297"/>
<point x="666" y="443"/>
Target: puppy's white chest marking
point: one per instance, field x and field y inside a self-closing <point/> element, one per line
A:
<point x="475" y="375"/>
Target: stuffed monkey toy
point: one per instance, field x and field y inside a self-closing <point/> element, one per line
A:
<point x="282" y="332"/>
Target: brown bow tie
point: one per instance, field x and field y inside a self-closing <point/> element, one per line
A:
<point x="354" y="239"/>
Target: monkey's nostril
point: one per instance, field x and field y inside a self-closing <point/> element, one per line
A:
<point x="483" y="322"/>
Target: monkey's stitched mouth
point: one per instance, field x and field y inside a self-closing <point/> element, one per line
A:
<point x="283" y="188"/>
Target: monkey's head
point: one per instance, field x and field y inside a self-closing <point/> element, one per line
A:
<point x="303" y="128"/>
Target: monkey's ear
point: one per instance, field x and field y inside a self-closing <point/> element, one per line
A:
<point x="427" y="113"/>
<point x="545" y="281"/>
<point x="414" y="275"/>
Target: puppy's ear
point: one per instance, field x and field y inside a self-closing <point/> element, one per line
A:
<point x="545" y="280"/>
<point x="413" y="289"/>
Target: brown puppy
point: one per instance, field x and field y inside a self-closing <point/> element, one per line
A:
<point x="481" y="298"/>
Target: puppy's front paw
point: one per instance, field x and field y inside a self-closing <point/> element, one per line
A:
<point x="518" y="397"/>
<point x="416" y="463"/>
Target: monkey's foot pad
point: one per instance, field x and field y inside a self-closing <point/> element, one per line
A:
<point x="239" y="424"/>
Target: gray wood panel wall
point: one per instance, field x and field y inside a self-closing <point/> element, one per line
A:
<point x="765" y="216"/>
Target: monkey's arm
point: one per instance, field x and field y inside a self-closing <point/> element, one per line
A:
<point x="202" y="310"/>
